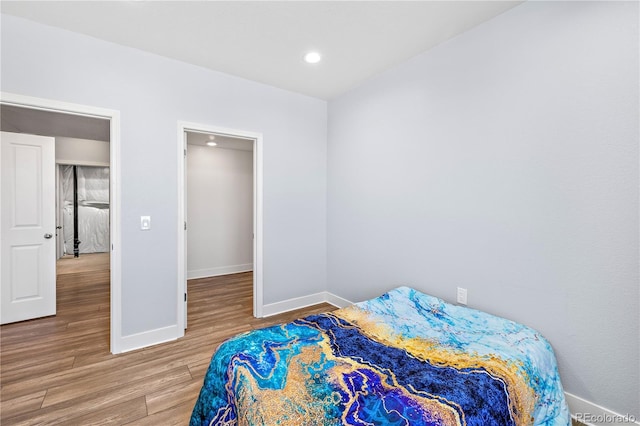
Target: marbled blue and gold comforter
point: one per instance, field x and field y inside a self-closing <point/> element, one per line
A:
<point x="404" y="358"/>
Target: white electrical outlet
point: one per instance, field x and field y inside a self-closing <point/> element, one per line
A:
<point x="462" y="296"/>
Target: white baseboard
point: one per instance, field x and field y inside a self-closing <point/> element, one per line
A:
<point x="594" y="415"/>
<point x="303" y="302"/>
<point x="166" y="334"/>
<point x="337" y="301"/>
<point x="220" y="270"/>
<point x="292" y="304"/>
<point x="149" y="338"/>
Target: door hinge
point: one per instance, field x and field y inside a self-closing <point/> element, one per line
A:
<point x="185" y="226"/>
<point x="185" y="152"/>
<point x="185" y="297"/>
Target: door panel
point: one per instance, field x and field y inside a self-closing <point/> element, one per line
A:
<point x="27" y="250"/>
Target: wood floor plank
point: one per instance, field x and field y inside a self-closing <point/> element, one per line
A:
<point x="199" y="370"/>
<point x="85" y="262"/>
<point x="172" y="396"/>
<point x="58" y="370"/>
<point x="29" y="367"/>
<point x="96" y="399"/>
<point x="178" y="415"/>
<point x="23" y="404"/>
<point x="105" y="380"/>
<point x="118" y="414"/>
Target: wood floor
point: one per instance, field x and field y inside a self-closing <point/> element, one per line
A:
<point x="83" y="263"/>
<point x="58" y="370"/>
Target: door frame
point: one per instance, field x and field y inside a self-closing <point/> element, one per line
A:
<point x="59" y="203"/>
<point x="184" y="126"/>
<point x="113" y="116"/>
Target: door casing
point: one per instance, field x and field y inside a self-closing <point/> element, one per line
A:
<point x="184" y="127"/>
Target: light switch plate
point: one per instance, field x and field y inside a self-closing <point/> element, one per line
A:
<point x="145" y="223"/>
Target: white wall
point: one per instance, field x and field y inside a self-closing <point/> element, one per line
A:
<point x="82" y="151"/>
<point x="152" y="94"/>
<point x="505" y="161"/>
<point x="219" y="211"/>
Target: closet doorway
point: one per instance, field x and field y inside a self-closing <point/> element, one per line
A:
<point x="221" y="212"/>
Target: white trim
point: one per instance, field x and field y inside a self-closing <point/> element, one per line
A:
<point x="589" y="413"/>
<point x="148" y="338"/>
<point x="220" y="270"/>
<point x="337" y="301"/>
<point x="303" y="302"/>
<point x="258" y="298"/>
<point x="293" y="304"/>
<point x="181" y="246"/>
<point x="82" y="163"/>
<point x="185" y="126"/>
<point x="116" y="252"/>
<point x="114" y="163"/>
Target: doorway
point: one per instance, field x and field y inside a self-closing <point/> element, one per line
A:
<point x="82" y="214"/>
<point x="23" y="114"/>
<point x="239" y="146"/>
<point x="83" y="207"/>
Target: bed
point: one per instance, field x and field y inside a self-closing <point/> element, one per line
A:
<point x="404" y="358"/>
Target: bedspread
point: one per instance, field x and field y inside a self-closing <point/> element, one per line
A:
<point x="404" y="358"/>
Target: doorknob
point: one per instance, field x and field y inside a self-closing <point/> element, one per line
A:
<point x="47" y="236"/>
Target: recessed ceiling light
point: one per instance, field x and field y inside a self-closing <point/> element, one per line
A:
<point x="211" y="142"/>
<point x="312" y="57"/>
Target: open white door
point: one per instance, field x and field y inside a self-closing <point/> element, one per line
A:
<point x="28" y="249"/>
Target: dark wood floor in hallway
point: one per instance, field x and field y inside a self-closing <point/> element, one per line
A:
<point x="58" y="370"/>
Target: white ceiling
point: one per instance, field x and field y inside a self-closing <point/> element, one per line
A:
<point x="265" y="40"/>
